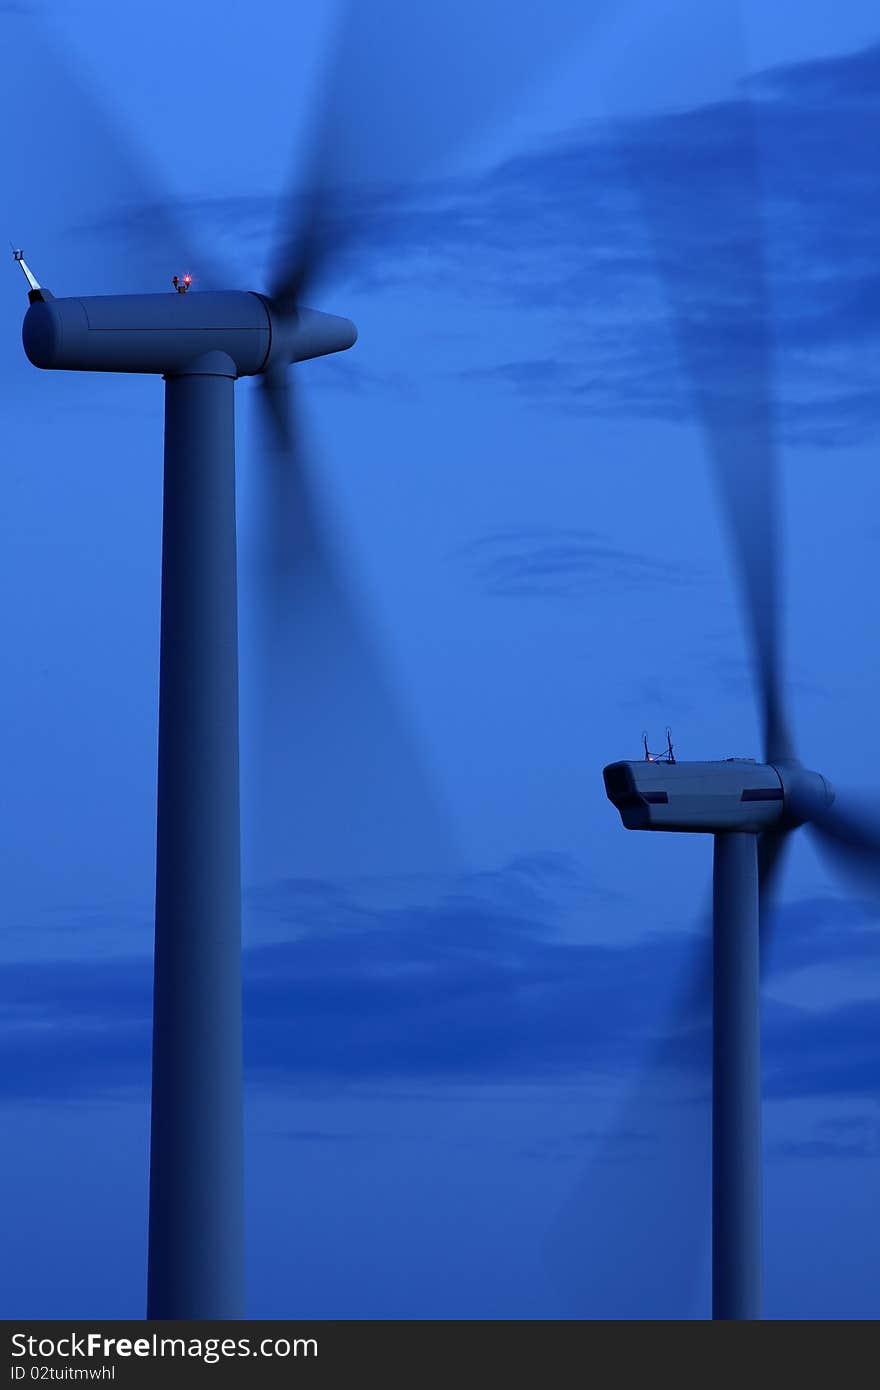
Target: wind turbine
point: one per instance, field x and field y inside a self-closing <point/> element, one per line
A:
<point x="750" y="809"/>
<point x="697" y="179"/>
<point x="404" y="89"/>
<point x="201" y="344"/>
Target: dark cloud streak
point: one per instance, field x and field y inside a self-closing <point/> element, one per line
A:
<point x="474" y="982"/>
<point x="563" y="561"/>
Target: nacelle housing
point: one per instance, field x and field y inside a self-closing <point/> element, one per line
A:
<point x="714" y="797"/>
<point x="165" y="333"/>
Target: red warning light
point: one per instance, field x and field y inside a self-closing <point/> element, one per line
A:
<point x="187" y="279"/>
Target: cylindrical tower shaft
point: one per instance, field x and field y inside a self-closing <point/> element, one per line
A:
<point x="736" y="1097"/>
<point x="196" y="1189"/>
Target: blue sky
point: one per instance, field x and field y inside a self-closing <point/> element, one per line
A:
<point x="464" y="1097"/>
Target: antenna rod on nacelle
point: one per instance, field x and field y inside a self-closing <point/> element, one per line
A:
<point x="35" y="290"/>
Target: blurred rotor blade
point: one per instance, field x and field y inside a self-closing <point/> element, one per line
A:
<point x="91" y="213"/>
<point x="405" y="87"/>
<point x="849" y="835"/>
<point x="290" y="533"/>
<point x="772" y="846"/>
<point x="342" y="785"/>
<point x="695" y="173"/>
<point x="633" y="1239"/>
<point x="275" y="385"/>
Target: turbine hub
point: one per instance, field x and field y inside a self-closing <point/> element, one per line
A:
<point x="298" y="334"/>
<point x="805" y="794"/>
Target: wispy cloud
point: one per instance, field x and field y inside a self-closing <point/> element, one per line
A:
<point x="853" y="1137"/>
<point x="834" y="1052"/>
<point x="314" y="1136"/>
<point x="746" y="261"/>
<point x="562" y="561"/>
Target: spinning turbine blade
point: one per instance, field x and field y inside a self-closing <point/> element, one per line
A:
<point x="87" y="182"/>
<point x="295" y="548"/>
<point x="695" y="174"/>
<point x="341" y="783"/>
<point x="632" y="1237"/>
<point x="849" y="835"/>
<point x="772" y="847"/>
<point x="405" y="87"/>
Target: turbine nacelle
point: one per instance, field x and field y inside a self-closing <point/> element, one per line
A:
<point x="167" y="333"/>
<point x="715" y="797"/>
